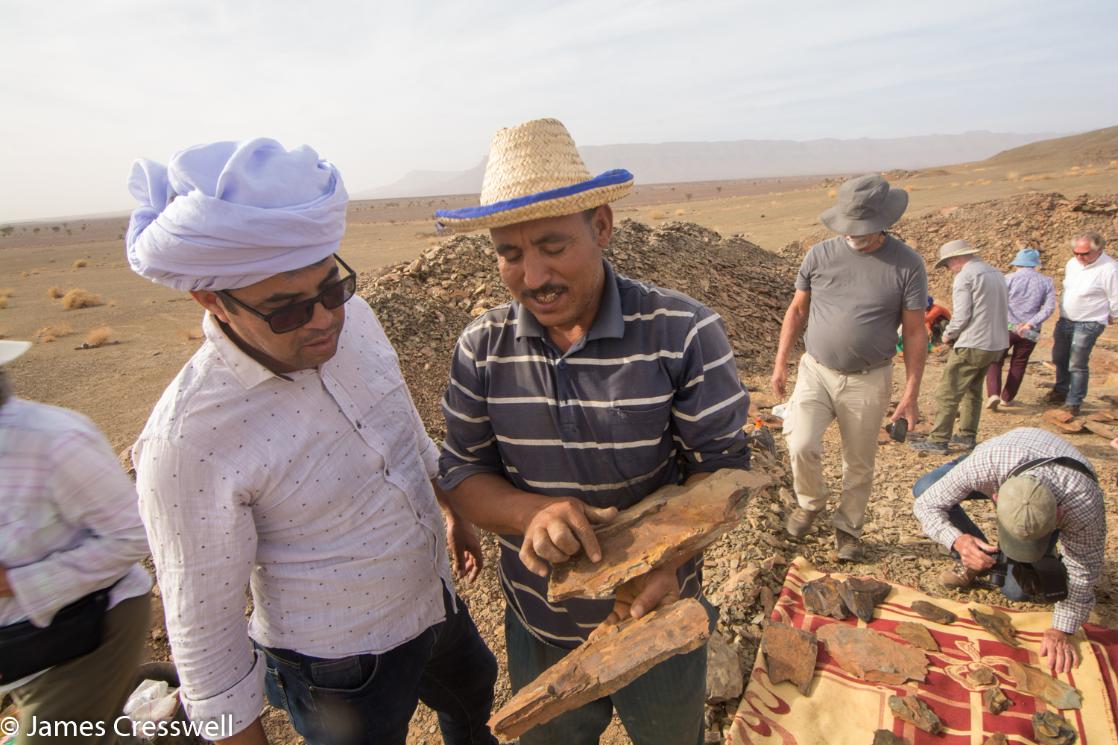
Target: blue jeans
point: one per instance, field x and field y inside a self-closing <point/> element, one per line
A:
<point x="370" y="698"/>
<point x="662" y="707"/>
<point x="1071" y="349"/>
<point x="959" y="518"/>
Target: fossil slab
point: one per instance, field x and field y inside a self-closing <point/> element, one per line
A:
<point x="861" y="595"/>
<point x="1049" y="728"/>
<point x="995" y="700"/>
<point x="606" y="664"/>
<point x="997" y="623"/>
<point x="671" y="522"/>
<point x="912" y="709"/>
<point x="790" y="654"/>
<point x="917" y="635"/>
<point x="885" y="737"/>
<point x="933" y="612"/>
<point x="724" y="676"/>
<point x="866" y="654"/>
<point x="821" y="597"/>
<point x="1042" y="685"/>
<point x="996" y="739"/>
<point x="981" y="676"/>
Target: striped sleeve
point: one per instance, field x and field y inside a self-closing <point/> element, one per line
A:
<point x="710" y="406"/>
<point x="470" y="447"/>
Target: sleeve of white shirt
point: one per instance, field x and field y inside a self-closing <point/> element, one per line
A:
<point x="1112" y="290"/>
<point x="203" y="540"/>
<point x="90" y="490"/>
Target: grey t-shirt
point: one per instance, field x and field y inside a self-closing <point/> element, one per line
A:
<point x="857" y="299"/>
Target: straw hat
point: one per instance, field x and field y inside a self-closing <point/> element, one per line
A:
<point x="535" y="171"/>
<point x="9" y="350"/>
<point x="865" y="205"/>
<point x="952" y="249"/>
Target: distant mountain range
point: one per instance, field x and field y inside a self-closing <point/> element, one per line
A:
<point x="675" y="162"/>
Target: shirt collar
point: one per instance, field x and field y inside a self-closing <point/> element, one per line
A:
<point x="245" y="369"/>
<point x="609" y="323"/>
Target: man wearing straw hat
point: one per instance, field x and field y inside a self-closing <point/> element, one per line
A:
<point x="852" y="292"/>
<point x="74" y="601"/>
<point x="979" y="335"/>
<point x="582" y="396"/>
<point x="287" y="457"/>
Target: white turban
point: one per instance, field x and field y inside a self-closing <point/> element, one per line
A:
<point x="230" y="214"/>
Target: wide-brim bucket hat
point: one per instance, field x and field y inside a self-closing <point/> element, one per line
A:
<point x="865" y="205"/>
<point x="10" y="349"/>
<point x="534" y="171"/>
<point x="951" y="249"/>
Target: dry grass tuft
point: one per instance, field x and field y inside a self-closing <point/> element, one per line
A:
<point x="98" y="336"/>
<point x="7" y="292"/>
<point x="832" y="193"/>
<point x="81" y="264"/>
<point x="3" y="303"/>
<point x="656" y="215"/>
<point x="54" y="331"/>
<point x="54" y="293"/>
<point x="78" y="298"/>
<point x="680" y="213"/>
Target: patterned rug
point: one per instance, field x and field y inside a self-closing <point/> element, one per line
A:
<point x="840" y="708"/>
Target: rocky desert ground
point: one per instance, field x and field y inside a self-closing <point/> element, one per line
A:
<point x="107" y="342"/>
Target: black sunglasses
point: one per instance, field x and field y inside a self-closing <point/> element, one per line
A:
<point x="296" y="315"/>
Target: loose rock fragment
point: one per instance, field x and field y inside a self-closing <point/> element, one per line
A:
<point x="862" y="595"/>
<point x="933" y="612"/>
<point x="724" y="675"/>
<point x="673" y="521"/>
<point x="981" y="676"/>
<point x="790" y="654"/>
<point x="917" y="635"/>
<point x="996" y="739"/>
<point x="1039" y="683"/>
<point x="1049" y="728"/>
<point x="822" y="598"/>
<point x="912" y="709"/>
<point x="603" y="665"/>
<point x="995" y="700"/>
<point x="885" y="737"/>
<point x="997" y="623"/>
<point x="866" y="654"/>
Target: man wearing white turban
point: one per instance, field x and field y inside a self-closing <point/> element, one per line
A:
<point x="287" y="456"/>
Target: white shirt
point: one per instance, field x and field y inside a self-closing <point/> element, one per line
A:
<point x="313" y="488"/>
<point x="1090" y="292"/>
<point x="68" y="519"/>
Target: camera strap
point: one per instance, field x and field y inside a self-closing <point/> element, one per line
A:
<point x="1061" y="460"/>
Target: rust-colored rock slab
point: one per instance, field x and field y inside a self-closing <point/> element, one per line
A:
<point x="862" y="594"/>
<point x="917" y="635"/>
<point x="1042" y="685"/>
<point x="821" y="597"/>
<point x="1063" y="421"/>
<point x="981" y="676"/>
<point x="606" y="664"/>
<point x="1100" y="429"/>
<point x="912" y="709"/>
<point x="995" y="700"/>
<point x="933" y="612"/>
<point x="790" y="654"/>
<point x="1049" y="728"/>
<point x="671" y="522"/>
<point x="997" y="623"/>
<point x="885" y="737"/>
<point x="868" y="655"/>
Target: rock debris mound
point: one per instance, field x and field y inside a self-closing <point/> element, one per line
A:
<point x="424" y="305"/>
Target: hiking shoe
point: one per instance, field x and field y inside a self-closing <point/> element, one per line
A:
<point x="927" y="446"/>
<point x="799" y="522"/>
<point x="848" y="547"/>
<point x="965" y="441"/>
<point x="993" y="402"/>
<point x="1072" y="409"/>
<point x="1055" y="397"/>
<point x="957" y="577"/>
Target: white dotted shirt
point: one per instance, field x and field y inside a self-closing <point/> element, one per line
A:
<point x="312" y="488"/>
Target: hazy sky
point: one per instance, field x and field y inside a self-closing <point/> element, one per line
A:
<point x="383" y="88"/>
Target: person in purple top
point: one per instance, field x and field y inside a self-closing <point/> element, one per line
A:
<point x="1032" y="298"/>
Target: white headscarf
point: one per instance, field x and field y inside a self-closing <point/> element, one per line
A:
<point x="230" y="214"/>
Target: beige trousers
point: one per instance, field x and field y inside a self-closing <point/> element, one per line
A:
<point x="858" y="401"/>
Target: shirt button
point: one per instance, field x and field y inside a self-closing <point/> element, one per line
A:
<point x="359" y="425"/>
